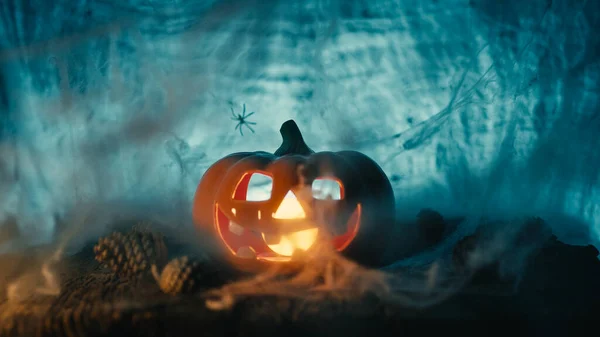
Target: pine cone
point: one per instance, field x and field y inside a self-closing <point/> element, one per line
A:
<point x="186" y="275"/>
<point x="132" y="253"/>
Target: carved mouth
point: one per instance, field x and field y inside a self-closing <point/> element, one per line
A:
<point x="248" y="244"/>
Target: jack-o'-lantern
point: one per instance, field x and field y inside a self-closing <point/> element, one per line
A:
<point x="268" y="208"/>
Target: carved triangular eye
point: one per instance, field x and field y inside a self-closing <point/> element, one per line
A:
<point x="290" y="208"/>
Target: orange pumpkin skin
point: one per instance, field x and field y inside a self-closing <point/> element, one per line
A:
<point x="362" y="219"/>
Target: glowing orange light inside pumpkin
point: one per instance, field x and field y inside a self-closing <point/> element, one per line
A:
<point x="290" y="208"/>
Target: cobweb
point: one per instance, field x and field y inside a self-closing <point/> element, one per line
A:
<point x="418" y="282"/>
<point x="471" y="107"/>
<point x="330" y="276"/>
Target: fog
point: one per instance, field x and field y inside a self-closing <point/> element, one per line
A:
<point x="472" y="108"/>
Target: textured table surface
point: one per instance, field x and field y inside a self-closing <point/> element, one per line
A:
<point x="558" y="292"/>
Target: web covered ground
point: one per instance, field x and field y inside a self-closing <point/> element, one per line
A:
<point x="473" y="108"/>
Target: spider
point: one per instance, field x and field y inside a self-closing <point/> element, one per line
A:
<point x="241" y="119"/>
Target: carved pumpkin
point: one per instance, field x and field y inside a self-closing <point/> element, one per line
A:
<point x="268" y="208"/>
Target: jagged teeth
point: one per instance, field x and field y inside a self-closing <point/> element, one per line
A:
<point x="235" y="228"/>
<point x="246" y="252"/>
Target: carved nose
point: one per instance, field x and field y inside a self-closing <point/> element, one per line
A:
<point x="290" y="208"/>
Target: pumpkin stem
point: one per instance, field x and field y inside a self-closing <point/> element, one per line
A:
<point x="293" y="142"/>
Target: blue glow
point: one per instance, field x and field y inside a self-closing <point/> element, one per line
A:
<point x="475" y="107"/>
